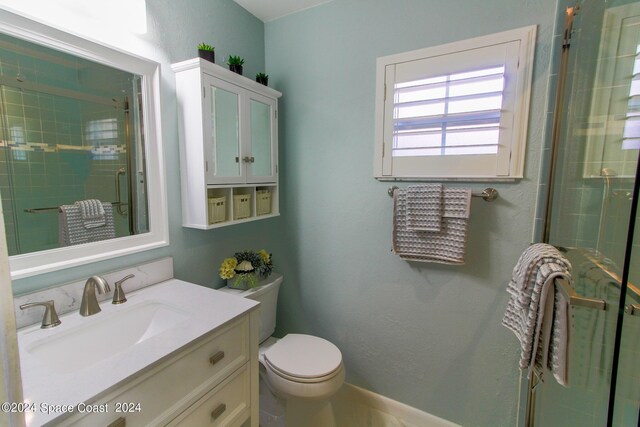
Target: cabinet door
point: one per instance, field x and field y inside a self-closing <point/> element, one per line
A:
<point x="261" y="146"/>
<point x="222" y="131"/>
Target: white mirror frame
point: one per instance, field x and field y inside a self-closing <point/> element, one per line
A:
<point x="31" y="264"/>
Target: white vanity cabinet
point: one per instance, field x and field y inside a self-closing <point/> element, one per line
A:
<point x="208" y="383"/>
<point x="228" y="146"/>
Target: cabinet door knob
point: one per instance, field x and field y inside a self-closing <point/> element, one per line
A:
<point x="248" y="159"/>
<point x="218" y="411"/>
<point x="216" y="357"/>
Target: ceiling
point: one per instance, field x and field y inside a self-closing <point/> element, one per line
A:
<point x="268" y="10"/>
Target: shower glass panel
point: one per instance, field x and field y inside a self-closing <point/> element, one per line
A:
<point x="70" y="130"/>
<point x="591" y="207"/>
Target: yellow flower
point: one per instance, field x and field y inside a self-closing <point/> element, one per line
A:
<point x="264" y="255"/>
<point x="227" y="268"/>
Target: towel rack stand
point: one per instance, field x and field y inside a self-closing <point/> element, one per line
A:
<point x="578" y="300"/>
<point x="488" y="194"/>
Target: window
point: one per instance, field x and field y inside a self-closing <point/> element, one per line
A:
<point x="455" y="111"/>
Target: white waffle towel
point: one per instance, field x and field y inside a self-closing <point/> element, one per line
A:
<point x="92" y="213"/>
<point x="424" y="207"/>
<point x="72" y="230"/>
<point x="537" y="313"/>
<point x="446" y="246"/>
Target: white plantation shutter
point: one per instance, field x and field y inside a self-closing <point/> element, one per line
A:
<point x="453" y="114"/>
<point x="455" y="111"/>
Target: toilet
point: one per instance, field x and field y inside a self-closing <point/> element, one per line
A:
<point x="302" y="371"/>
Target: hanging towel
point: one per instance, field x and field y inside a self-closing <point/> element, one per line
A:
<point x="92" y="213"/>
<point x="424" y="207"/>
<point x="537" y="313"/>
<point x="446" y="246"/>
<point x="72" y="230"/>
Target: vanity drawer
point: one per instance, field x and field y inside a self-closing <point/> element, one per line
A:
<point x="177" y="383"/>
<point x="226" y="405"/>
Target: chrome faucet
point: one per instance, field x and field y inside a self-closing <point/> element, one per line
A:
<point x="89" y="305"/>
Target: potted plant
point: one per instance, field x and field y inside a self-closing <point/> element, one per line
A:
<point x="235" y="64"/>
<point x="206" y="51"/>
<point x="246" y="268"/>
<point x="262" y="78"/>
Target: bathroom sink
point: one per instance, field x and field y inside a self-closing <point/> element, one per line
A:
<point x="85" y="357"/>
<point x="104" y="335"/>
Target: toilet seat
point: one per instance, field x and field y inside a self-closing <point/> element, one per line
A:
<point x="304" y="359"/>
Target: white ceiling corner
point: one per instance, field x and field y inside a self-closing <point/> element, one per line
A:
<point x="269" y="10"/>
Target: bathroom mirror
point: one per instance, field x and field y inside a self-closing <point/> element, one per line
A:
<point x="81" y="167"/>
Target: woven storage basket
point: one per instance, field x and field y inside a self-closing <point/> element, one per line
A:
<point x="241" y="206"/>
<point x="263" y="202"/>
<point x="217" y="209"/>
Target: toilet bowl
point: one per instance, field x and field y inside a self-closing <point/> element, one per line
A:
<point x="303" y="371"/>
<point x="303" y="367"/>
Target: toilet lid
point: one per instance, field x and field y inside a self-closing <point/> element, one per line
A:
<point x="304" y="356"/>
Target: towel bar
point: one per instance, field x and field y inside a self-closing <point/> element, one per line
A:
<point x="57" y="208"/>
<point x="577" y="300"/>
<point x="488" y="194"/>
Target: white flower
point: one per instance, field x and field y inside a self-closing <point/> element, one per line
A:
<point x="244" y="266"/>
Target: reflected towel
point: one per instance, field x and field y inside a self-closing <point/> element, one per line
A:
<point x="537" y="313"/>
<point x="71" y="229"/>
<point x="92" y="213"/>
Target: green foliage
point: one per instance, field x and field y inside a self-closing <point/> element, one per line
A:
<point x="235" y="60"/>
<point x="204" y="46"/>
<point x="261" y="261"/>
<point x="262" y="76"/>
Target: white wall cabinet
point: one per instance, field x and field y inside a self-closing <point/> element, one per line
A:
<point x="228" y="146"/>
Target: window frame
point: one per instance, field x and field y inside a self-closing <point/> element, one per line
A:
<point x="512" y="145"/>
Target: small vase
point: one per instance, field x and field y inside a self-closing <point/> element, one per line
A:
<point x="236" y="69"/>
<point x="263" y="80"/>
<point x="243" y="281"/>
<point x="209" y="55"/>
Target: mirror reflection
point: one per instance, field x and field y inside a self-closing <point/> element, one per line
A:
<point x="71" y="149"/>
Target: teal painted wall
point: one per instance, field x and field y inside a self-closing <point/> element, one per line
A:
<point x="427" y="335"/>
<point x="174" y="30"/>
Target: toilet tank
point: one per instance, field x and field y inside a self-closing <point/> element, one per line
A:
<point x="267" y="294"/>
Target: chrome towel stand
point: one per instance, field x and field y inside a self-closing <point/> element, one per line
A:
<point x="488" y="194"/>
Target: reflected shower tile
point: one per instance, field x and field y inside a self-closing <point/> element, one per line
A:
<point x="591" y="200"/>
<point x="12" y="96"/>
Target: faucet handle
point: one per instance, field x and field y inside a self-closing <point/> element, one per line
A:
<point x="118" y="293"/>
<point x="50" y="318"/>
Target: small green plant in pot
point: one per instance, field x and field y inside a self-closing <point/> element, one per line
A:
<point x="206" y="51"/>
<point x="235" y="64"/>
<point x="262" y="78"/>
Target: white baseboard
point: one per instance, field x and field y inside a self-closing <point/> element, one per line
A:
<point x="356" y="406"/>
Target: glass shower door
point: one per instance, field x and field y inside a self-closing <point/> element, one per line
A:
<point x="591" y="204"/>
<point x="626" y="383"/>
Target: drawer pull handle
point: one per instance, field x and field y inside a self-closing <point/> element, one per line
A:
<point x="120" y="422"/>
<point x="218" y="411"/>
<point x="216" y="357"/>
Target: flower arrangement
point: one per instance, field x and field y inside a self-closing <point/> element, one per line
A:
<point x="245" y="267"/>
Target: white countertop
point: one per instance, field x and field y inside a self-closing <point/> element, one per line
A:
<point x="44" y="386"/>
